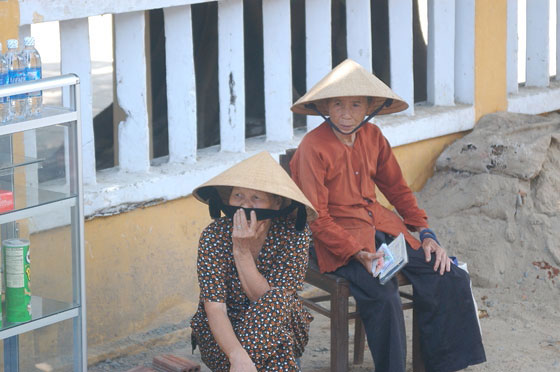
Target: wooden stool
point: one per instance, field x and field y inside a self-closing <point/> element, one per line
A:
<point x="338" y="290"/>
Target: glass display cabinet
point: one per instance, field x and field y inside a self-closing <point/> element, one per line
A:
<point x="43" y="324"/>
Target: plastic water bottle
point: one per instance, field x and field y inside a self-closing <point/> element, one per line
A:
<point x="33" y="71"/>
<point x="4" y="101"/>
<point x="16" y="74"/>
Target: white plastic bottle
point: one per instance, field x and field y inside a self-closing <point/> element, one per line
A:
<point x="4" y="101"/>
<point x="16" y="74"/>
<point x="33" y="71"/>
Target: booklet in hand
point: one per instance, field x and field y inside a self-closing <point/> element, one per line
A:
<point x="394" y="259"/>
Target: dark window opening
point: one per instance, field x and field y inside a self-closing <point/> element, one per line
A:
<point x="297" y="10"/>
<point x="254" y="68"/>
<point x="158" y="81"/>
<point x="205" y="44"/>
<point x="338" y="29"/>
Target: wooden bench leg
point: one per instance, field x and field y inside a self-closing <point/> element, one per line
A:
<point x="417" y="361"/>
<point x="359" y="341"/>
<point x="339" y="329"/>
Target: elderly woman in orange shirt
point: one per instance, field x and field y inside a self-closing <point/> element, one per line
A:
<point x="338" y="165"/>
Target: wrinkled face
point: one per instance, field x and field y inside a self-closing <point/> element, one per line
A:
<point x="249" y="198"/>
<point x="347" y="112"/>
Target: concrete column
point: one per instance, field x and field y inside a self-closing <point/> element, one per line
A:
<point x="9" y="21"/>
<point x="75" y="58"/>
<point x="231" y="75"/>
<point x="400" y="46"/>
<point x="464" y="51"/>
<point x="490" y="57"/>
<point x="441" y="52"/>
<point x="277" y="70"/>
<point x="538" y="54"/>
<point x="358" y="32"/>
<point x="130" y="60"/>
<point x="181" y="84"/>
<point x="318" y="45"/>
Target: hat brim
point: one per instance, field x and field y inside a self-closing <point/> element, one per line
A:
<point x="349" y="79"/>
<point x="304" y="108"/>
<point x="259" y="172"/>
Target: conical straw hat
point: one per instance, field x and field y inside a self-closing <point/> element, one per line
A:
<point x="259" y="172"/>
<point x="349" y="79"/>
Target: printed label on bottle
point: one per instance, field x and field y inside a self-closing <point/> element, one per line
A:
<point x="34" y="73"/>
<point x="17" y="76"/>
<point x="4" y="81"/>
<point x="14" y="267"/>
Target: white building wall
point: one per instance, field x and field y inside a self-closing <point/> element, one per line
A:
<point x="450" y="74"/>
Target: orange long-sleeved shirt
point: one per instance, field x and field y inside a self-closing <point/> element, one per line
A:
<point x="340" y="180"/>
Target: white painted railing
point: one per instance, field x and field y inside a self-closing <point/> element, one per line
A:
<point x="541" y="90"/>
<point x="450" y="85"/>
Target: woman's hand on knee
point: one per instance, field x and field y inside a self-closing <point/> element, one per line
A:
<point x="442" y="261"/>
<point x="241" y="362"/>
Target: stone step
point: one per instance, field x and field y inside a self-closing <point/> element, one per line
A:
<point x="141" y="369"/>
<point x="172" y="363"/>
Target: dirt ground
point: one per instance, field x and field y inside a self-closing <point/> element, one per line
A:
<point x="520" y="334"/>
<point x="494" y="201"/>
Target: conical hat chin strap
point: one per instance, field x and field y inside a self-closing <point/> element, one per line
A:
<point x="388" y="102"/>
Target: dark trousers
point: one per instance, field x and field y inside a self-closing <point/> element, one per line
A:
<point x="450" y="337"/>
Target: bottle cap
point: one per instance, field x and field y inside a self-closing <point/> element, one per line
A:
<point x="29" y="41"/>
<point x="12" y="44"/>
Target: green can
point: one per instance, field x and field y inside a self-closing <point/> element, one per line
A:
<point x="17" y="270"/>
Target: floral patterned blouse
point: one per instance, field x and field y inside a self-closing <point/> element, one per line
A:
<point x="274" y="329"/>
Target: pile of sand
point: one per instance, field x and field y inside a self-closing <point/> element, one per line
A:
<point x="494" y="199"/>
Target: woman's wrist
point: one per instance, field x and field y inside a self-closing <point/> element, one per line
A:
<point x="240" y="251"/>
<point x="426" y="233"/>
<point x="237" y="353"/>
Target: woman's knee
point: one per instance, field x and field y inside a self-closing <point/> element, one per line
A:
<point x="379" y="298"/>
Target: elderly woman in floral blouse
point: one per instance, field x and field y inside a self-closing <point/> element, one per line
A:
<point x="250" y="264"/>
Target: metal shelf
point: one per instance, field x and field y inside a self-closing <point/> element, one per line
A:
<point x="46" y="311"/>
<point x="31" y="201"/>
<point x="49" y="116"/>
<point x="19" y="161"/>
<point x="19" y="214"/>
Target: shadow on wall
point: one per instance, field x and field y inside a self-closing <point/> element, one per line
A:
<point x="205" y="35"/>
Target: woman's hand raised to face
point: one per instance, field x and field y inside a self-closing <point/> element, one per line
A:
<point x="248" y="236"/>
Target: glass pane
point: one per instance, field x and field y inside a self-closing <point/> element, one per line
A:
<point x="46" y="285"/>
<point x="46" y="349"/>
<point x="34" y="168"/>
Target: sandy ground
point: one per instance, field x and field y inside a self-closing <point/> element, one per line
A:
<point x="520" y="334"/>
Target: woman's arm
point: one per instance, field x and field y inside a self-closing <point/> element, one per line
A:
<point x="248" y="239"/>
<point x="253" y="283"/>
<point x="391" y="182"/>
<point x="309" y="172"/>
<point x="224" y="335"/>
